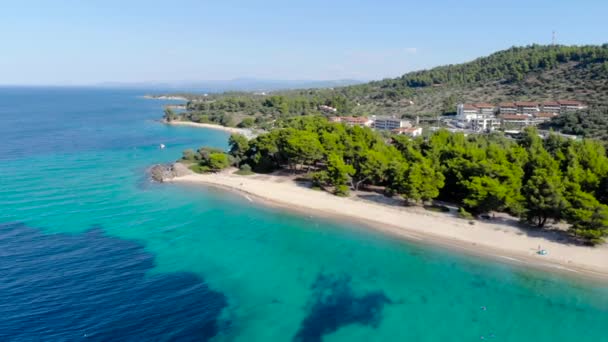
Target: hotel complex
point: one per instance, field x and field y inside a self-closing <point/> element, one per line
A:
<point x="511" y="115"/>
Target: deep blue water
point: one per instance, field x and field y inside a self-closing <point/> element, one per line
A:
<point x="94" y="287"/>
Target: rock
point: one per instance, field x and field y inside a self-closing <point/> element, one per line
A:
<point x="165" y="172"/>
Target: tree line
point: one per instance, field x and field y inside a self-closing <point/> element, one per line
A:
<point x="589" y="123"/>
<point x="509" y="65"/>
<point x="540" y="181"/>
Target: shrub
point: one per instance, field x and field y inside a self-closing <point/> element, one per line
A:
<point x="245" y="170"/>
<point x="341" y="190"/>
<point x="462" y="213"/>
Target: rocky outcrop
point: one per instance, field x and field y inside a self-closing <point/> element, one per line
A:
<point x="165" y="172"/>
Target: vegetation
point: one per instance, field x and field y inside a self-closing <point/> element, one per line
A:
<point x="245" y="170"/>
<point x="520" y="73"/>
<point x="541" y="181"/>
<point x="591" y="123"/>
<point x="207" y="159"/>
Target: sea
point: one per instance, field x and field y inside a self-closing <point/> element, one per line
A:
<point x="92" y="250"/>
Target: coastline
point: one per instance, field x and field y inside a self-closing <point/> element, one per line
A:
<point x="163" y="97"/>
<point x="495" y="240"/>
<point x="246" y="132"/>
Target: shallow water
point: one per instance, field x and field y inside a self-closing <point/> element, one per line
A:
<point x="91" y="249"/>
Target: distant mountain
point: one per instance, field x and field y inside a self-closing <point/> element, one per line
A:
<point x="239" y="84"/>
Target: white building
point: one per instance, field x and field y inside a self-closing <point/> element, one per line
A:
<point x="466" y="112"/>
<point x="327" y="109"/>
<point x="550" y="107"/>
<point x="527" y="107"/>
<point x="507" y="108"/>
<point x="361" y="121"/>
<point x="485" y="108"/>
<point x="543" y="116"/>
<point x="570" y="106"/>
<point x="485" y="123"/>
<point x="411" y="131"/>
<point x="390" y="123"/>
<point x="511" y="121"/>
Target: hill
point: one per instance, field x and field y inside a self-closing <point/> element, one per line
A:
<point x="533" y="72"/>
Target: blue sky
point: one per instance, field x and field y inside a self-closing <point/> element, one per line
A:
<point x="72" y="42"/>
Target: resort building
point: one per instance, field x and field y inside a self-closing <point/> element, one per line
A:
<point x="361" y="121"/>
<point x="411" y="131"/>
<point x="570" y="106"/>
<point x="486" y="123"/>
<point x="327" y="109"/>
<point x="550" y="107"/>
<point x="543" y="116"/>
<point x="515" y="121"/>
<point x="485" y="108"/>
<point x="390" y="123"/>
<point x="527" y="107"/>
<point x="467" y="112"/>
<point x="507" y="108"/>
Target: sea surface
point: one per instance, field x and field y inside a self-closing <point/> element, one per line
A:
<point x="92" y="250"/>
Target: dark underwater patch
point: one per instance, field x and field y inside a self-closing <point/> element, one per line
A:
<point x="334" y="304"/>
<point x="94" y="287"/>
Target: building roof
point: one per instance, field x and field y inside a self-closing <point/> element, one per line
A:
<point x="355" y="119"/>
<point x="514" y="117"/>
<point x="506" y="104"/>
<point x="469" y="107"/>
<point x="388" y="118"/>
<point x="544" y="115"/>
<point x="570" y="103"/>
<point x="406" y="130"/>
<point x="526" y="104"/>
<point x="483" y="105"/>
<point x="551" y="103"/>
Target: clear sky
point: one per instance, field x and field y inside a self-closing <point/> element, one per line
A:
<point x="71" y="42"/>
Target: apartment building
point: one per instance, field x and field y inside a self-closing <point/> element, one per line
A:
<point x="389" y="123"/>
<point x="511" y="121"/>
<point x="361" y="121"/>
<point x="411" y="131"/>
<point x="566" y="106"/>
<point x="550" y="107"/>
<point x="507" y="108"/>
<point x="527" y="107"/>
<point x="467" y="112"/>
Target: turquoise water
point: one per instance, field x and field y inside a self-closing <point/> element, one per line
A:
<point x="199" y="264"/>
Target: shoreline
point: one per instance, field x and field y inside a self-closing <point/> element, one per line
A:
<point x="243" y="131"/>
<point x="493" y="240"/>
<point x="164" y="97"/>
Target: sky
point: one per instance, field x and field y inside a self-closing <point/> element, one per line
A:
<point x="84" y="42"/>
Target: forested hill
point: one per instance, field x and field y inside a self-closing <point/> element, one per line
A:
<point x="535" y="73"/>
<point x="519" y="73"/>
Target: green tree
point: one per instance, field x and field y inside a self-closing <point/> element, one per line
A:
<point x="246" y="123"/>
<point x="218" y="161"/>
<point x="370" y="166"/>
<point x="544" y="197"/>
<point x="169" y="115"/>
<point x="239" y="145"/>
<point x="423" y="182"/>
<point x="339" y="174"/>
<point x="588" y="217"/>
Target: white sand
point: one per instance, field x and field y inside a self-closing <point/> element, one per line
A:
<point x="499" y="240"/>
<point x="244" y="131"/>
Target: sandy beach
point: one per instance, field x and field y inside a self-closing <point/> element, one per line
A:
<point x="246" y="132"/>
<point x="501" y="239"/>
<point x="163" y="97"/>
